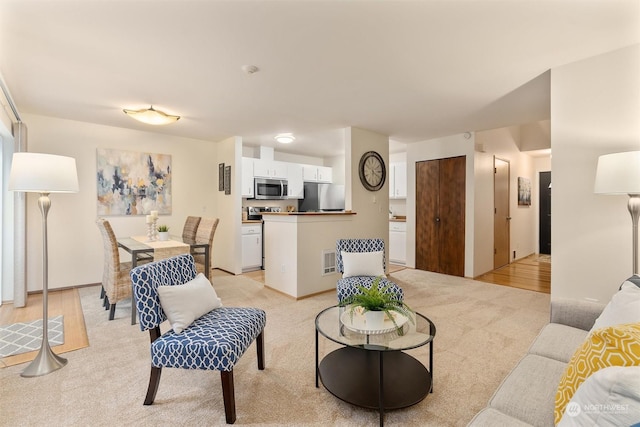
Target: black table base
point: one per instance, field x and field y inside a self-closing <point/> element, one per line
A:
<point x="353" y="375"/>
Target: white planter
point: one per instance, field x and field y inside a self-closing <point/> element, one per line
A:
<point x="163" y="235"/>
<point x="374" y="319"/>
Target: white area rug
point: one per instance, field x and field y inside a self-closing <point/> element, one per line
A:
<point x="23" y="337"/>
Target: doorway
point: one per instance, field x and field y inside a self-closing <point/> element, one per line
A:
<point x="545" y="213"/>
<point x="502" y="220"/>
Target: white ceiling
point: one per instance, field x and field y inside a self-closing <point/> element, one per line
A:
<point x="413" y="70"/>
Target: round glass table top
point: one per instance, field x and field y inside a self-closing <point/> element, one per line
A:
<point x="334" y="323"/>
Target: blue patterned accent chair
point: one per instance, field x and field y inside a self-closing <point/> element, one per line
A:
<point x="215" y="341"/>
<point x="347" y="287"/>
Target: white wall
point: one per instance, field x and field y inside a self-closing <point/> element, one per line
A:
<point x="595" y="110"/>
<point x="483" y="214"/>
<point x="227" y="244"/>
<point x="440" y="148"/>
<point x="371" y="207"/>
<point x="75" y="245"/>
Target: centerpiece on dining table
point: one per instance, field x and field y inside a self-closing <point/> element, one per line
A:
<point x="374" y="310"/>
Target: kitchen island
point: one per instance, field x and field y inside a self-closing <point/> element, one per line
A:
<point x="299" y="247"/>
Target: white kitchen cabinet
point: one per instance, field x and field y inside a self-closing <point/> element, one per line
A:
<point x="251" y="246"/>
<point x="269" y="169"/>
<point x="397" y="180"/>
<point x="313" y="173"/>
<point x="295" y="182"/>
<point x="247" y="177"/>
<point x="398" y="242"/>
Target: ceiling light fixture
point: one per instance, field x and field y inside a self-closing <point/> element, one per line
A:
<point x="151" y="116"/>
<point x="285" y="138"/>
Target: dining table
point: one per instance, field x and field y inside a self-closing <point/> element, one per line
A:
<point x="143" y="250"/>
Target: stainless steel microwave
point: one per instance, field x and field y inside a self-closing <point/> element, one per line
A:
<point x="269" y="189"/>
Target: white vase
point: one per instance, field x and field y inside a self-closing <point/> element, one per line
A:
<point x="374" y="319"/>
<point x="163" y="235"/>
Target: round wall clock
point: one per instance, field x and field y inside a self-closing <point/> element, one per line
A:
<point x="372" y="171"/>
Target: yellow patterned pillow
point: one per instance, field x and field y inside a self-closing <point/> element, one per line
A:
<point x="617" y="345"/>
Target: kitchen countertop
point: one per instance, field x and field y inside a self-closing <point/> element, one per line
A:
<point x="252" y="221"/>
<point x="399" y="218"/>
<point x="308" y="213"/>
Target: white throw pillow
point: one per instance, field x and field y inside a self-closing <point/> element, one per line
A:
<point x="624" y="307"/>
<point x="609" y="397"/>
<point x="362" y="264"/>
<point x="185" y="303"/>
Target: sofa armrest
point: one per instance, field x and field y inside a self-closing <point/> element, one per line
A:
<point x="575" y="313"/>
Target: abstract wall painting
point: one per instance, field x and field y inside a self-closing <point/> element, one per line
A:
<point x="524" y="191"/>
<point x="133" y="183"/>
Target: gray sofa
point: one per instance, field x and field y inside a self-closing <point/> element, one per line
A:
<point x="526" y="397"/>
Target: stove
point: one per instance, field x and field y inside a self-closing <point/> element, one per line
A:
<point x="255" y="212"/>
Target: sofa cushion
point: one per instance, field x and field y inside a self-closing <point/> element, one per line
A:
<point x="624" y="307"/>
<point x="529" y="389"/>
<point x="609" y="397"/>
<point x="558" y="342"/>
<point x="489" y="417"/>
<point x="613" y="346"/>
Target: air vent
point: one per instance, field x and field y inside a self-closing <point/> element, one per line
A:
<point x="328" y="261"/>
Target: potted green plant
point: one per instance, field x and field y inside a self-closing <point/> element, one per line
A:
<point x="163" y="232"/>
<point x="374" y="303"/>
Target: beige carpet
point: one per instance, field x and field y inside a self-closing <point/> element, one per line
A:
<point x="482" y="330"/>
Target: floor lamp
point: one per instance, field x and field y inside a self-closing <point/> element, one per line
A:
<point x="44" y="174"/>
<point x="619" y="173"/>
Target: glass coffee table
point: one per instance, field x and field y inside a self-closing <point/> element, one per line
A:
<point x="371" y="370"/>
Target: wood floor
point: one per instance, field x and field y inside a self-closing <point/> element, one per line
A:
<point x="532" y="273"/>
<point x="65" y="302"/>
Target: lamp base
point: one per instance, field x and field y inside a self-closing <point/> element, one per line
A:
<point x="45" y="362"/>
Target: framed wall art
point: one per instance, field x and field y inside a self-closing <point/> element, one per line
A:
<point x="524" y="191"/>
<point x="220" y="176"/>
<point x="227" y="180"/>
<point x="133" y="183"/>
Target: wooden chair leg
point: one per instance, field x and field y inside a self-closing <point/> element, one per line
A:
<point x="228" y="394"/>
<point x="112" y="311"/>
<point x="260" y="348"/>
<point x="154" y="381"/>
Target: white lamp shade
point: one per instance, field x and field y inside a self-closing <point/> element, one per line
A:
<point x="618" y="173"/>
<point x="43" y="173"/>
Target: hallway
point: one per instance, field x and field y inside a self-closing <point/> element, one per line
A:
<point x="532" y="273"/>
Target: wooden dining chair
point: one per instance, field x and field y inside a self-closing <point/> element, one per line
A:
<point x="190" y="228"/>
<point x="205" y="233"/>
<point x="116" y="282"/>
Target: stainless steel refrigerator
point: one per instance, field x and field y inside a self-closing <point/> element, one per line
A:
<point x="320" y="197"/>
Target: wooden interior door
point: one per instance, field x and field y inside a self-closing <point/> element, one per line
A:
<point x="440" y="215"/>
<point x="427" y="215"/>
<point x="501" y="220"/>
<point x="452" y="205"/>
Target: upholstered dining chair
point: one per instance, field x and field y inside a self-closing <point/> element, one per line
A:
<point x="190" y="228"/>
<point x="205" y="233"/>
<point x="116" y="283"/>
<point x="213" y="338"/>
<point x="360" y="261"/>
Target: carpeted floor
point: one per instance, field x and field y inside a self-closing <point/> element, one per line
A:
<point x="482" y="331"/>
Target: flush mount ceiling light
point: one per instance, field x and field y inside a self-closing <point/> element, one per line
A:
<point x="151" y="116"/>
<point x="285" y="138"/>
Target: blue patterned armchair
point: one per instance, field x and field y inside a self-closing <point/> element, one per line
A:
<point x="347" y="287"/>
<point x="215" y="341"/>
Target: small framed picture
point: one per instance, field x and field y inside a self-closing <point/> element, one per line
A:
<point x="227" y="180"/>
<point x="524" y="191"/>
<point x="220" y="176"/>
